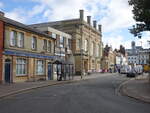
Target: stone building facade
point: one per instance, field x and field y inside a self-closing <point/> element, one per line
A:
<point x="86" y="41"/>
<point x="108" y="59"/>
<point x="25" y="52"/>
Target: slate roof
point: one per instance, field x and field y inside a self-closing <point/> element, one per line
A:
<point x="23" y="26"/>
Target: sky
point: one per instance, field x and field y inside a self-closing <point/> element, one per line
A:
<point x="115" y="16"/>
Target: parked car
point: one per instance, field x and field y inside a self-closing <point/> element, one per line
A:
<point x="125" y="69"/>
<point x="131" y="73"/>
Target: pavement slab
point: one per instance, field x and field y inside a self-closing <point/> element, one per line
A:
<point x="138" y="88"/>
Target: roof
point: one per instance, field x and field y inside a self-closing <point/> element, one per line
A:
<point x="55" y="24"/>
<point x="23" y="26"/>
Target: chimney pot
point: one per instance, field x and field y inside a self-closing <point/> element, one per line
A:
<point x="95" y="24"/>
<point x="89" y="20"/>
<point x="81" y="14"/>
<point x="100" y="28"/>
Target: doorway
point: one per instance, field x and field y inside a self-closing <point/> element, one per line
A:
<point x="50" y="71"/>
<point x="7" y="71"/>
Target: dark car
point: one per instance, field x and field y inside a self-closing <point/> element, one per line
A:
<point x="131" y="73"/>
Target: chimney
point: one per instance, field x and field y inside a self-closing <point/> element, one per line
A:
<point x="81" y="14"/>
<point x="100" y="28"/>
<point x="89" y="20"/>
<point x="2" y="13"/>
<point x="95" y="24"/>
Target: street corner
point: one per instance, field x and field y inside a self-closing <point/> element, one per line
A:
<point x="137" y="89"/>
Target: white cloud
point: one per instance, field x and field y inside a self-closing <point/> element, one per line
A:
<point x="37" y="9"/>
<point x="116" y="40"/>
<point x="17" y="14"/>
<point x="118" y="15"/>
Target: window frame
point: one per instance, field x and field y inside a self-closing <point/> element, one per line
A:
<point x="42" y="65"/>
<point x="34" y="43"/>
<point x="49" y="46"/>
<point x="21" y="40"/>
<point x="13" y="38"/>
<point x="45" y="45"/>
<point x="22" y="66"/>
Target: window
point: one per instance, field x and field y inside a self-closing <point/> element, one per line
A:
<point x="62" y="41"/>
<point x="21" y="66"/>
<point x="34" y="43"/>
<point x="13" y="37"/>
<point x="85" y="45"/>
<point x="20" y="41"/>
<point x="92" y="48"/>
<point x="98" y="50"/>
<point x="69" y="43"/>
<point x="49" y="46"/>
<point x="40" y="67"/>
<point x="78" y="44"/>
<point x="45" y="45"/>
<point x="54" y="35"/>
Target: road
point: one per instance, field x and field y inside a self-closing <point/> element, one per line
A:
<point x="97" y="95"/>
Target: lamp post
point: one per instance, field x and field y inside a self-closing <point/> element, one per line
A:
<point x="149" y="60"/>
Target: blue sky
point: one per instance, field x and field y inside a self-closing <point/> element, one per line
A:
<point x="114" y="15"/>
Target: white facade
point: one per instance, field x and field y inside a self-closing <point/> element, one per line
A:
<point x="133" y="59"/>
<point x="144" y="56"/>
<point x="121" y="60"/>
<point x="138" y="55"/>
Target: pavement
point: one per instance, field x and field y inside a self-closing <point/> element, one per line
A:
<point x="137" y="88"/>
<point x="15" y="88"/>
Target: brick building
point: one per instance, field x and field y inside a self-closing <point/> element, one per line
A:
<point x="86" y="41"/>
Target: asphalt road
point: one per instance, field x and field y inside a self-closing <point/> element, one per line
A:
<point x="98" y="95"/>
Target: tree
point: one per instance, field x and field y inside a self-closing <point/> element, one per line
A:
<point x="141" y="11"/>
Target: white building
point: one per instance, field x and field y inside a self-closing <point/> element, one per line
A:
<point x="137" y="55"/>
<point x="144" y="56"/>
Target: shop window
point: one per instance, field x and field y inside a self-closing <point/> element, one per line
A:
<point x="40" y="67"/>
<point x="21" y="66"/>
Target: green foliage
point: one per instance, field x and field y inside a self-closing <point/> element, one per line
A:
<point x="141" y="11"/>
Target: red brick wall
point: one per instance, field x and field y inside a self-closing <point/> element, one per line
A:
<point x="1" y="47"/>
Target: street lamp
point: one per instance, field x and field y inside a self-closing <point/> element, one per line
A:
<point x="81" y="62"/>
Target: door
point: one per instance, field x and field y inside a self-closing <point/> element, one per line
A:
<point x="50" y="71"/>
<point x="7" y="70"/>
